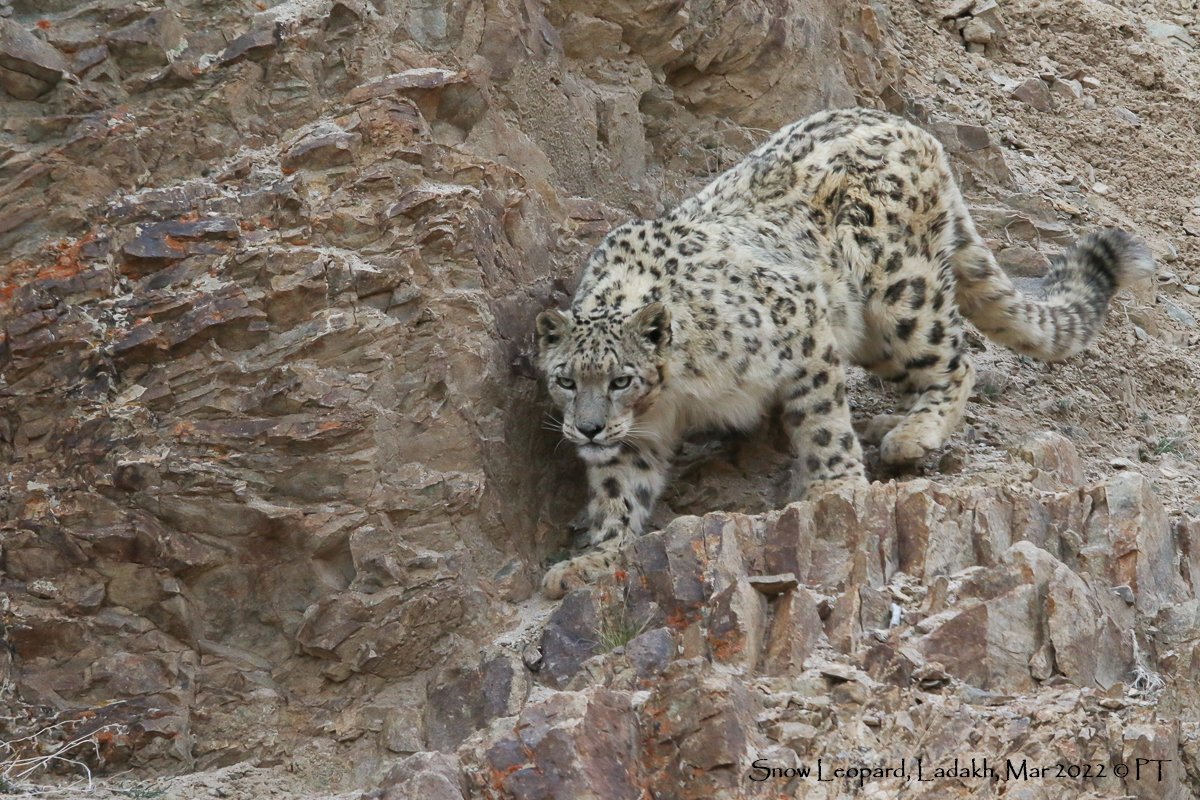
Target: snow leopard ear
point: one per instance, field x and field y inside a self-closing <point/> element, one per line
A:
<point x="652" y="324"/>
<point x="552" y="326"/>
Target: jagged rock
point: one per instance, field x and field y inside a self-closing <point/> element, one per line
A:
<point x="253" y="44"/>
<point x="1166" y="31"/>
<point x="1090" y="637"/>
<point x="571" y="636"/>
<point x="1035" y="93"/>
<point x="736" y="619"/>
<point x="322" y="149"/>
<point x="772" y="586"/>
<point x="429" y="776"/>
<point x="586" y="37"/>
<point x="1186" y="532"/>
<point x="159" y="244"/>
<point x="886" y="663"/>
<point x="1022" y="261"/>
<point x="978" y="32"/>
<point x="386" y="633"/>
<point x="974" y="146"/>
<point x="695" y="731"/>
<point x="677" y="569"/>
<point x="28" y="66"/>
<point x="994" y="635"/>
<point x="1156" y="772"/>
<point x="576" y="744"/>
<point x="460" y="702"/>
<point x="1128" y="542"/>
<point x="1067" y="88"/>
<point x="794" y="632"/>
<point x="1054" y="460"/>
<point x="154" y="40"/>
<point x="953" y="9"/>
<point x="426" y="78"/>
<point x="650" y="652"/>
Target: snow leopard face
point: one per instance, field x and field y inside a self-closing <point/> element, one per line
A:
<point x="604" y="370"/>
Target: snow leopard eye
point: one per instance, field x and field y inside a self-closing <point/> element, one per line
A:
<point x="620" y="383"/>
<point x="565" y="383"/>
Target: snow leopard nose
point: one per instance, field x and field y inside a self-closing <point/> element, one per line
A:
<point x="589" y="429"/>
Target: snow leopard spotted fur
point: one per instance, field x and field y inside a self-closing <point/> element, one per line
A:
<point x="842" y="238"/>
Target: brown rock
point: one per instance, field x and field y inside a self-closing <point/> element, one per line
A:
<point x="1054" y="460"/>
<point x="1186" y="531"/>
<point x="788" y="546"/>
<point x="736" y="621"/>
<point x="265" y="454"/>
<point x="322" y="149"/>
<point x="933" y="538"/>
<point x="429" y="776"/>
<point x="571" y="637"/>
<point x="886" y="663"/>
<point x="694" y="728"/>
<point x="576" y="744"/>
<point x="1022" y="261"/>
<point x="1036" y="93"/>
<point x="255" y="45"/>
<point x="154" y="40"/>
<point x="1156" y="771"/>
<point x="678" y="568"/>
<point x="988" y="641"/>
<point x="794" y="632"/>
<point x="1090" y="647"/>
<point x="424" y="79"/>
<point x="772" y="586"/>
<point x="28" y="66"/>
<point x="163" y="243"/>
<point x="1129" y="542"/>
<point x="460" y="702"/>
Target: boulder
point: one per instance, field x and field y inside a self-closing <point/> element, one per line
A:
<point x="29" y="67"/>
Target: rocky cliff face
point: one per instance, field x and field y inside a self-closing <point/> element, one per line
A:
<point x="277" y="487"/>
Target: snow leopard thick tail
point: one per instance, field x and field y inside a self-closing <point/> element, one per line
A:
<point x="1078" y="288"/>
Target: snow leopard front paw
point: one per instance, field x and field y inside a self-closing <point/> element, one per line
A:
<point x="580" y="571"/>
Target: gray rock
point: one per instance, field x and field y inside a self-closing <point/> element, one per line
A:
<point x="570" y="638"/>
<point x="1023" y="261"/>
<point x="461" y="701"/>
<point x="1035" y="93"/>
<point x="650" y="652"/>
<point x="154" y="40"/>
<point x="28" y="66"/>
<point x="428" y="776"/>
<point x="773" y="585"/>
<point x="1179" y="313"/>
<point x="255" y="45"/>
<point x="576" y="744"/>
<point x="1169" y="32"/>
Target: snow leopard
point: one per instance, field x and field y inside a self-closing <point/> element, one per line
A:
<point x="843" y="238"/>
